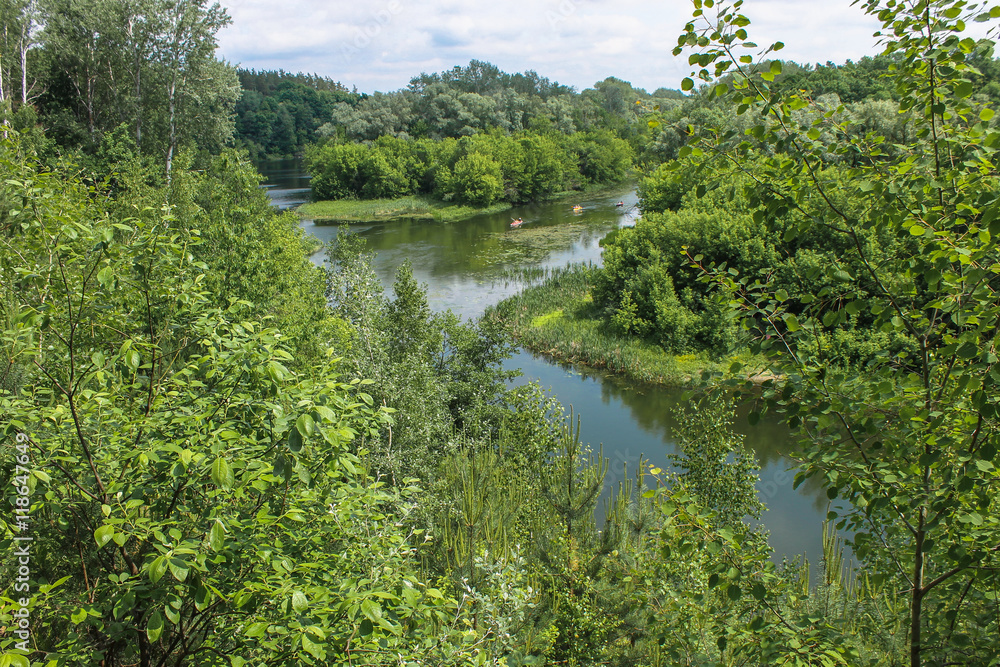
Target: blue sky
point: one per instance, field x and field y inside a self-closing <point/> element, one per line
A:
<point x="381" y="44"/>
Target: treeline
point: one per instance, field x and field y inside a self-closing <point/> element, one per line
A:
<point x="279" y="113"/>
<point x="478" y="170"/>
<point x="479" y="97"/>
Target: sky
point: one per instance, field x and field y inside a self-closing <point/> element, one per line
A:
<point x="379" y="45"/>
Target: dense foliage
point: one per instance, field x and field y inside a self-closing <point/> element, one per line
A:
<point x="279" y="113"/>
<point x="147" y="67"/>
<point x="477" y="170"/>
<point x="228" y="455"/>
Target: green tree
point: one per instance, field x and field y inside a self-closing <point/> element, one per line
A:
<point x="477" y="180"/>
<point x="200" y="496"/>
<point x="912" y="441"/>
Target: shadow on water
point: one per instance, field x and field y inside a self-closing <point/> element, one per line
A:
<point x="462" y="263"/>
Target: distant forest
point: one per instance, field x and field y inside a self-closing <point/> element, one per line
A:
<point x="280" y="113"/>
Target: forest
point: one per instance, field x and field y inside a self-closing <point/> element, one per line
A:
<point x="218" y="453"/>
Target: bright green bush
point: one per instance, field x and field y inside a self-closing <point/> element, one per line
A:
<point x="477" y="180"/>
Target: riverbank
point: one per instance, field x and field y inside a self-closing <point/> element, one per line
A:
<point x="428" y="209"/>
<point x="414" y="207"/>
<point x="558" y="318"/>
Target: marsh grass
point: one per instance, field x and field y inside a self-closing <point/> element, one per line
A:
<point x="381" y="210"/>
<point x="556" y="315"/>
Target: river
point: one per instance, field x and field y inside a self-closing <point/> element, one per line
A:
<point x="466" y="267"/>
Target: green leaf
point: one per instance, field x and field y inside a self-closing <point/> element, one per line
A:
<point x="311" y="647"/>
<point x="986" y="114"/>
<point x="734" y="592"/>
<point x="222" y="474"/>
<point x="792" y="322"/>
<point x="305" y="425"/>
<point x="217" y="536"/>
<point x="687" y="83"/>
<point x="256" y="630"/>
<point x="179" y="568"/>
<point x="299" y="602"/>
<point x="105" y="276"/>
<point x="157" y="568"/>
<point x="294" y="440"/>
<point x="371" y="610"/>
<point x="154" y="627"/>
<point x="103" y="535"/>
<point x="79" y="616"/>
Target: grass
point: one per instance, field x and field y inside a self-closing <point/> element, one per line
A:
<point x="380" y="210"/>
<point x="558" y="317"/>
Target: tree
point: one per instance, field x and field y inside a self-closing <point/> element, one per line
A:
<point x="20" y="23"/>
<point x="185" y="49"/>
<point x="477" y="180"/>
<point x="912" y="441"/>
<point x="203" y="503"/>
<point x="147" y="63"/>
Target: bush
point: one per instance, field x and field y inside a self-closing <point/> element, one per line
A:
<point x="477" y="180"/>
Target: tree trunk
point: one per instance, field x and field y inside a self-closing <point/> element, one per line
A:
<point x="172" y="141"/>
<point x="917" y="596"/>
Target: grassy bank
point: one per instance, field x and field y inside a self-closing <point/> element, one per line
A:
<point x="380" y="210"/>
<point x="557" y="317"/>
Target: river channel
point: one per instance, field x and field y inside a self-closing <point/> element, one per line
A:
<point x="466" y="267"/>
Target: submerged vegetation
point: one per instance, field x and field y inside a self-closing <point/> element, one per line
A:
<point x="382" y="210"/>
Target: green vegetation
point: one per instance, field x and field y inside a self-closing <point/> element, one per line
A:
<point x="279" y="113"/>
<point x="480" y="171"/>
<point x="911" y="441"/>
<point x="559" y="318"/>
<point x="230" y="456"/>
<point x="372" y="210"/>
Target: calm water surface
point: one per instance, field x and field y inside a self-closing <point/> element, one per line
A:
<point x="466" y="267"/>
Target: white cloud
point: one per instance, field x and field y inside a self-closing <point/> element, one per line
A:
<point x="381" y="45"/>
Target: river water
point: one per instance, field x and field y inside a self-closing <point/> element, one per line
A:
<point x="467" y="266"/>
